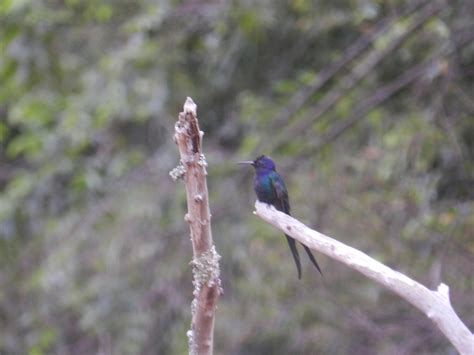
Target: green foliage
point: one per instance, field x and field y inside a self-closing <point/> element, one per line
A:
<point x="93" y="246"/>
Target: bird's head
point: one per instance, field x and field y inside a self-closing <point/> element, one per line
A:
<point x="261" y="163"/>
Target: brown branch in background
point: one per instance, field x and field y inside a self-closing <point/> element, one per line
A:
<point x="359" y="72"/>
<point x="435" y="305"/>
<point x="381" y="95"/>
<point x="324" y="76"/>
<point x="350" y="54"/>
<point x="206" y="281"/>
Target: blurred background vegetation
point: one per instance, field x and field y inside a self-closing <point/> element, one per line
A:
<point x="366" y="105"/>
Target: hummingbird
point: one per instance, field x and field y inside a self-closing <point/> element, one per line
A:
<point x="271" y="189"/>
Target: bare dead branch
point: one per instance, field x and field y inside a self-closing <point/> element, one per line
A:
<point x="434" y="304"/>
<point x="206" y="281"/>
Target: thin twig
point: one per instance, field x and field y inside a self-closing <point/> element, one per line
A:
<point x="324" y="76"/>
<point x="359" y="72"/>
<point x="381" y="95"/>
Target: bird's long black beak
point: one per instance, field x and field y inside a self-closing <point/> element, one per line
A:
<point x="246" y="162"/>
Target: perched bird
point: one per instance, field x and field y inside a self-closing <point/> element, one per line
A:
<point x="270" y="188"/>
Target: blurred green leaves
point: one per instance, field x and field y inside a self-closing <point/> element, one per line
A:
<point x="92" y="240"/>
<point x="10" y="6"/>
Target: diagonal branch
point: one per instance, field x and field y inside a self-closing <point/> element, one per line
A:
<point x="351" y="53"/>
<point x="361" y="70"/>
<point x="380" y="96"/>
<point x="434" y="304"/>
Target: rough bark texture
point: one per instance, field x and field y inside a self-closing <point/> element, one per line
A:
<point x="434" y="304"/>
<point x="206" y="281"/>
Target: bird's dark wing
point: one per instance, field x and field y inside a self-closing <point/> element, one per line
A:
<point x="282" y="204"/>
